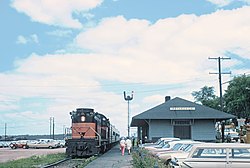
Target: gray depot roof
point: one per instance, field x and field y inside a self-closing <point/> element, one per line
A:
<point x="178" y="108"/>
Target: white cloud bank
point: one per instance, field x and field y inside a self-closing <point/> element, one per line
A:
<point x="170" y="51"/>
<point x="55" y="12"/>
<point x="222" y="3"/>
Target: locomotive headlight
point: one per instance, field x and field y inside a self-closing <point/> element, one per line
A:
<point x="83" y="118"/>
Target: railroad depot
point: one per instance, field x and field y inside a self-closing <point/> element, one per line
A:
<point x="178" y="118"/>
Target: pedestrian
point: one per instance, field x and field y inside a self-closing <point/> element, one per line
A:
<point x="241" y="134"/>
<point x="128" y="145"/>
<point x="122" y="145"/>
<point x="133" y="142"/>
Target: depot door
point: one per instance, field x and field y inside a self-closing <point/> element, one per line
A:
<point x="182" y="131"/>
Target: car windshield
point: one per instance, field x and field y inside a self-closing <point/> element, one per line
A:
<point x="166" y="145"/>
<point x="177" y="146"/>
<point x="158" y="141"/>
<point x="161" y="143"/>
<point x="188" y="148"/>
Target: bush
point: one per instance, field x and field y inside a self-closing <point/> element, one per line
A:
<point x="142" y="159"/>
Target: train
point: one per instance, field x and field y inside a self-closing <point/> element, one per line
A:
<point x="92" y="134"/>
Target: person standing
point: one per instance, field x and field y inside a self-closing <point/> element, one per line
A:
<point x="122" y="145"/>
<point x="128" y="145"/>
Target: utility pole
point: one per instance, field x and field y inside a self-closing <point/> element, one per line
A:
<point x="5" y="131"/>
<point x="220" y="85"/>
<point x="128" y="98"/>
<point x="53" y="128"/>
<point x="50" y="119"/>
<point x="64" y="131"/>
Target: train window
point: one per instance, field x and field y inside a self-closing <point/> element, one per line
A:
<point x="83" y="118"/>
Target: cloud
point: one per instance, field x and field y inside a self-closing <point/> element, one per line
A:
<point x="61" y="33"/>
<point x="56" y="12"/>
<point x="29" y="39"/>
<point x="170" y="46"/>
<point x="21" y="40"/>
<point x="222" y="3"/>
<point x="171" y="54"/>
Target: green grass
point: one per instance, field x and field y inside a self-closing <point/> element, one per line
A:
<point x="34" y="161"/>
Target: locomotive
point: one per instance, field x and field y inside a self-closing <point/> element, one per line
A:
<point x="92" y="134"/>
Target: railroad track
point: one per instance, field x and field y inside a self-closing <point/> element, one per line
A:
<point x="68" y="162"/>
<point x="56" y="163"/>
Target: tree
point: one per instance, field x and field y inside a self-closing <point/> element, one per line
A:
<point x="207" y="97"/>
<point x="237" y="97"/>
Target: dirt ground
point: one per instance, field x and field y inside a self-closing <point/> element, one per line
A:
<point x="8" y="154"/>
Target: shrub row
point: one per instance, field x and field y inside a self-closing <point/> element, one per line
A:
<point x="142" y="159"/>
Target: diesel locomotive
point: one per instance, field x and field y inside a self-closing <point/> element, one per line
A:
<point x="92" y="134"/>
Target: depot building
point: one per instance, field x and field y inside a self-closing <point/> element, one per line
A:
<point x="178" y="118"/>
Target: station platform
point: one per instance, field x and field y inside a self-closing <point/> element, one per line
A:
<point x="112" y="159"/>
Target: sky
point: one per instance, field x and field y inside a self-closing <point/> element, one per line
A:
<point x="57" y="56"/>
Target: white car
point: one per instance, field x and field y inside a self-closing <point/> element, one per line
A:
<point x="43" y="144"/>
<point x="232" y="134"/>
<point x="158" y="142"/>
<point x="171" y="146"/>
<point x="219" y="155"/>
<point x="173" y="158"/>
<point x="163" y="143"/>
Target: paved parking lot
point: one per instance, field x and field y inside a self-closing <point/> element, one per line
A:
<point x="7" y="154"/>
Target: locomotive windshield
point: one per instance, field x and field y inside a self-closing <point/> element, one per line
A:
<point x="82" y="115"/>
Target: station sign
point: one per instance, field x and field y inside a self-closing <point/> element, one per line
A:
<point x="182" y="108"/>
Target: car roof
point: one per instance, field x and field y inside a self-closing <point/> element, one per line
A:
<point x="170" y="138"/>
<point x="186" y="141"/>
<point x="222" y="145"/>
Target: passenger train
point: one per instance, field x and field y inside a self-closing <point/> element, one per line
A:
<point x="92" y="134"/>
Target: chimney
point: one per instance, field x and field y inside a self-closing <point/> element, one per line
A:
<point x="167" y="98"/>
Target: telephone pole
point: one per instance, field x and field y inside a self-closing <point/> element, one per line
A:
<point x="128" y="98"/>
<point x="53" y="128"/>
<point x="220" y="85"/>
<point x="5" y="131"/>
<point x="50" y="119"/>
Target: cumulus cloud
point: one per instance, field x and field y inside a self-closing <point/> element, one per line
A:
<point x="21" y="40"/>
<point x="27" y="39"/>
<point x="60" y="33"/>
<point x="177" y="45"/>
<point x="56" y="12"/>
<point x="172" y="52"/>
<point x="222" y="3"/>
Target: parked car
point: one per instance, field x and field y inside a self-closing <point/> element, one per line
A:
<point x="19" y="144"/>
<point x="170" y="146"/>
<point x="220" y="155"/>
<point x="43" y="144"/>
<point x="232" y="133"/>
<point x="161" y="144"/>
<point x="61" y="143"/>
<point x="180" y="154"/>
<point x="160" y="140"/>
<point x="4" y="144"/>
